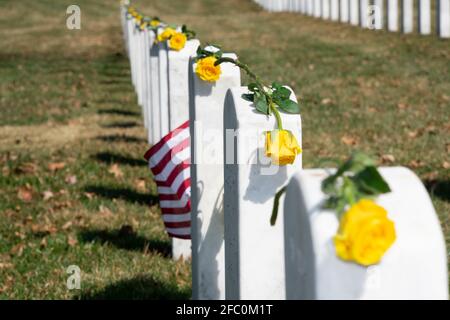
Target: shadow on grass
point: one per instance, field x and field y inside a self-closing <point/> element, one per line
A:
<point x="125" y="238"/>
<point x="138" y="288"/>
<point x="120" y="138"/>
<point x="439" y="189"/>
<point x="123" y="194"/>
<point x="109" y="158"/>
<point x="125" y="125"/>
<point x="119" y="112"/>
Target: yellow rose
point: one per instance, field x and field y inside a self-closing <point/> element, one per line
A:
<point x="166" y="34"/>
<point x="177" y="41"/>
<point x="155" y="23"/>
<point x="143" y="25"/>
<point x="282" y="147"/>
<point x="206" y="69"/>
<point x="365" y="233"/>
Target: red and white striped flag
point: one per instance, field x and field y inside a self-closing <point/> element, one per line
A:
<point x="169" y="160"/>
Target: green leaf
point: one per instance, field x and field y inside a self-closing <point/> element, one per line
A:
<point x="289" y="106"/>
<point x="261" y="103"/>
<point x="276" y="85"/>
<point x="369" y="180"/>
<point x="282" y="93"/>
<point x="248" y="97"/>
<point x="276" y="204"/>
<point x="252" y="86"/>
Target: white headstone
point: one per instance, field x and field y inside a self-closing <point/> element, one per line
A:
<point x="334" y="10"/>
<point x="325" y="9"/>
<point x="407" y="16"/>
<point x="310" y="7"/>
<point x="178" y="69"/>
<point x="392" y="15"/>
<point x="155" y="124"/>
<point x="415" y="267"/>
<point x="317" y="8"/>
<point x="443" y="19"/>
<point x="139" y="66"/>
<point x="363" y="13"/>
<point x="146" y="76"/>
<point x="254" y="254"/>
<point x="378" y="12"/>
<point x="424" y="17"/>
<point x="344" y="11"/>
<point x="206" y="108"/>
<point x="163" y="88"/>
<point x="179" y="83"/>
<point x="354" y="12"/>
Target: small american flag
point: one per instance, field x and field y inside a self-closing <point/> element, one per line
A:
<point x="169" y="160"/>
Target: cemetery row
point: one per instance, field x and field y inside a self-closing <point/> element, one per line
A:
<point x="227" y="161"/>
<point x="372" y="14"/>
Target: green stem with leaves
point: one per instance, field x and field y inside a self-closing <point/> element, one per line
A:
<point x="261" y="86"/>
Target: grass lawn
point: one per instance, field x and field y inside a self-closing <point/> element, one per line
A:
<point x="74" y="189"/>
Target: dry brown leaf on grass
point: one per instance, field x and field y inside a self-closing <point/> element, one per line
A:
<point x="67" y="225"/>
<point x="446" y="165"/>
<point x="326" y="101"/>
<point x="55" y="166"/>
<point x="17" y="250"/>
<point x="89" y="195"/>
<point x="116" y="171"/>
<point x="72" y="241"/>
<point x="349" y="140"/>
<point x="71" y="179"/>
<point x="25" y="193"/>
<point x="47" y="195"/>
<point x="387" y="158"/>
<point x="416" y="164"/>
<point x="104" y="212"/>
<point x="27" y="168"/>
<point x="43" y="229"/>
<point x="140" y="184"/>
<point x="43" y="243"/>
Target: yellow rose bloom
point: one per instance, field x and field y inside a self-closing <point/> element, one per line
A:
<point x="207" y="71"/>
<point x="155" y="23"/>
<point x="143" y="25"/>
<point x="166" y="34"/>
<point x="282" y="147"/>
<point x="177" y="41"/>
<point x="365" y="233"/>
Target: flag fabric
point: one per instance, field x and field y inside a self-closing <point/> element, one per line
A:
<point x="169" y="160"/>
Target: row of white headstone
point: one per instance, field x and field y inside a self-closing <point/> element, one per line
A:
<point x="236" y="254"/>
<point x="371" y="14"/>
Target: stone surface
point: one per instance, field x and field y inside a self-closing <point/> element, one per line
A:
<point x="392" y="15"/>
<point x="179" y="83"/>
<point x="443" y="13"/>
<point x="155" y="128"/>
<point x="344" y="10"/>
<point x="334" y="10"/>
<point x="254" y="250"/>
<point x="178" y="69"/>
<point x="163" y="89"/>
<point x="146" y="76"/>
<point x="363" y="13"/>
<point x="415" y="267"/>
<point x="407" y="16"/>
<point x="354" y="12"/>
<point x="424" y="17"/>
<point x="206" y="125"/>
<point x="379" y="14"/>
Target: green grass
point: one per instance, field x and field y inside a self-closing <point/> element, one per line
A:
<point x="66" y="96"/>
